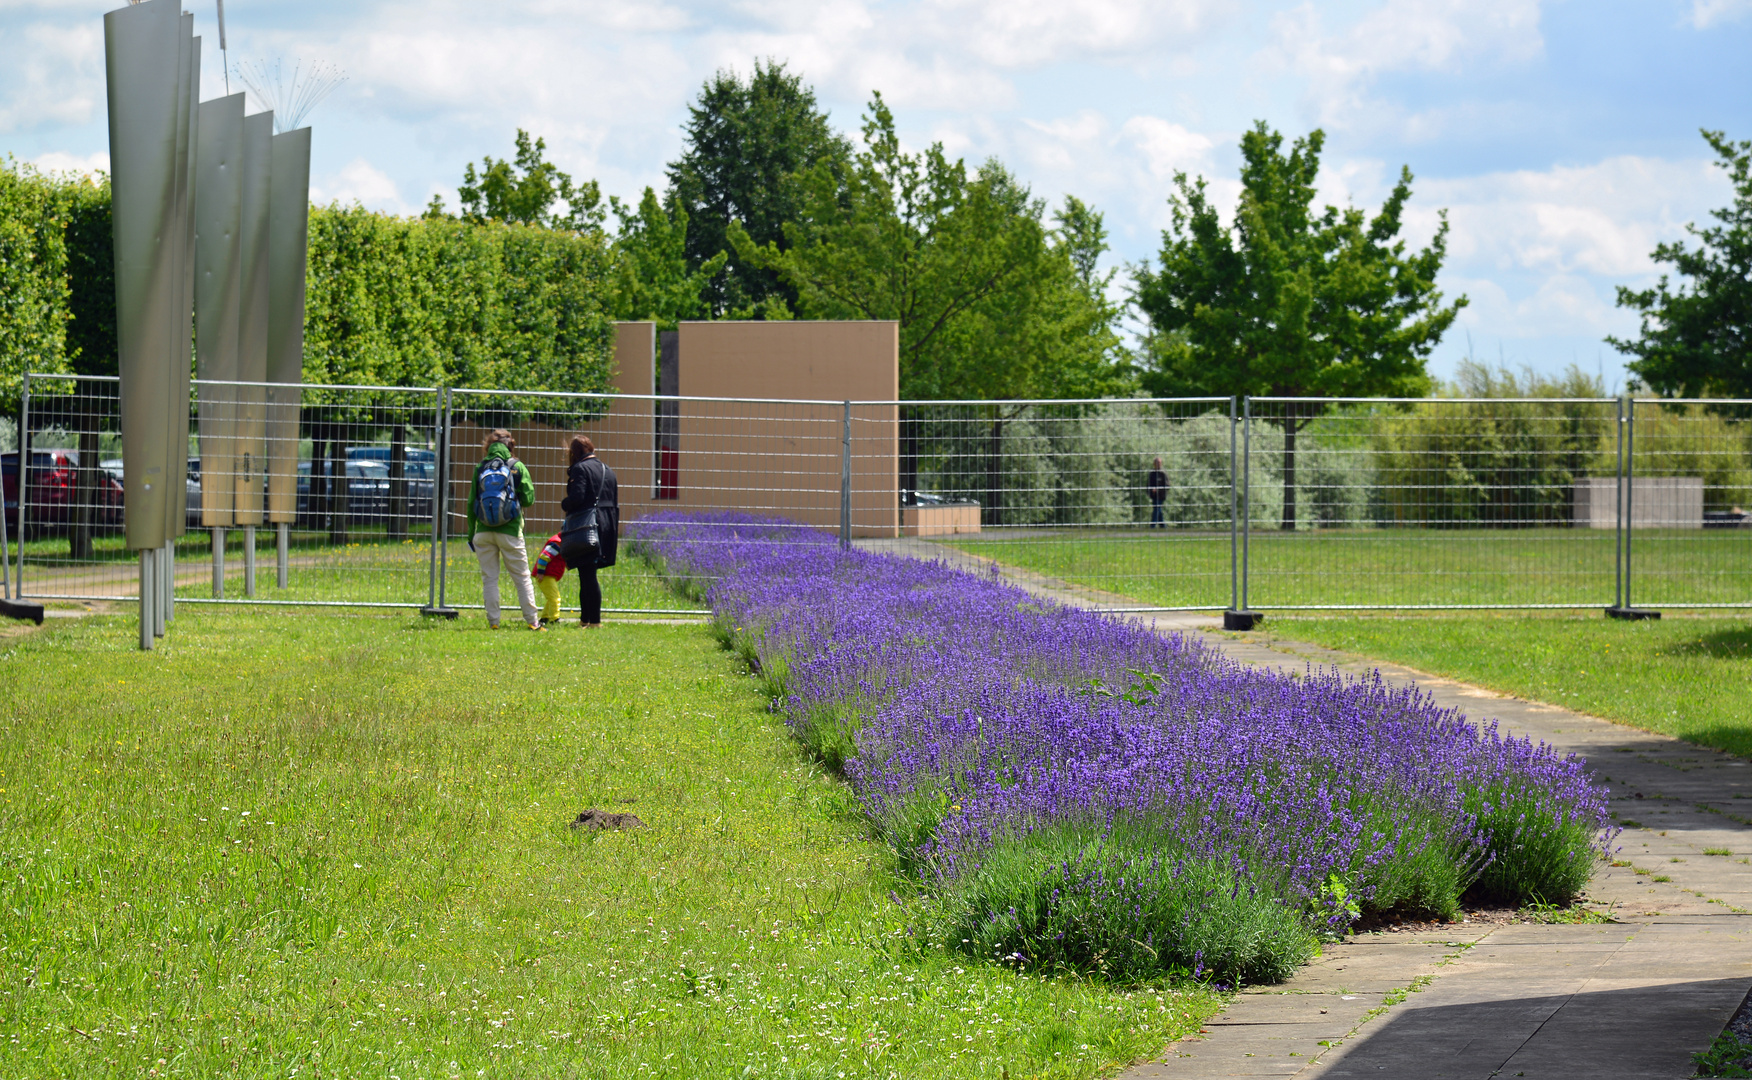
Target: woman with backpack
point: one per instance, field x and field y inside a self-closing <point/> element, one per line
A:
<point x="496" y="500"/>
<point x="590" y="487"/>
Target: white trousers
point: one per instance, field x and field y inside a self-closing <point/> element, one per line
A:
<point x="490" y="547"/>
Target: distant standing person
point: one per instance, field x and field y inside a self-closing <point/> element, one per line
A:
<point x="590" y="484"/>
<point x="501" y="491"/>
<point x="1157" y="486"/>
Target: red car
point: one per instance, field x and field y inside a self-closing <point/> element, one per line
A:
<point x="50" y="485"/>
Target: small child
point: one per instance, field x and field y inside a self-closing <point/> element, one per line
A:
<point x="549" y="568"/>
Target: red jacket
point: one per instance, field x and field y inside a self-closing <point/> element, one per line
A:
<point x="549" y="561"/>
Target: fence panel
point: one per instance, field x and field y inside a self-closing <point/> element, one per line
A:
<point x="297" y="495"/>
<point x="1688" y="488"/>
<point x="1061" y="491"/>
<point x="1429" y="503"/>
<point x="358" y="495"/>
<point x="670" y="454"/>
<point x="64" y="492"/>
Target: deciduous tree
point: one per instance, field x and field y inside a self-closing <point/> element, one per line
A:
<point x="1696" y="338"/>
<point x="1287" y="301"/>
<point x="526" y="191"/>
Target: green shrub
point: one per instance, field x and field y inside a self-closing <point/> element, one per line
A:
<point x="1125" y="906"/>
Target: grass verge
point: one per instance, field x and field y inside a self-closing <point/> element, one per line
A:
<point x="1386" y="567"/>
<point x="1685" y="677"/>
<point x="335" y="844"/>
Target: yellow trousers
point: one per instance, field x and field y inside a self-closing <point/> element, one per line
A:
<point x="550" y="597"/>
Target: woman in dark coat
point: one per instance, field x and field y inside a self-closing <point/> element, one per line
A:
<point x="589" y="483"/>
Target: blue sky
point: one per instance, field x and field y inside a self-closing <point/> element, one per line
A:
<point x="1561" y="136"/>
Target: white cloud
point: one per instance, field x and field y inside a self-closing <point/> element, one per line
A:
<point x="1600" y="219"/>
<point x="1707" y="13"/>
<point x="51" y="74"/>
<point x="360" y="181"/>
<point x="57" y="162"/>
<point x="1340" y="68"/>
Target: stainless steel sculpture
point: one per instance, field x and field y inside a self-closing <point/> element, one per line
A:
<point x="252" y="357"/>
<point x="218" y="292"/>
<point x="150" y="56"/>
<point x="288" y="240"/>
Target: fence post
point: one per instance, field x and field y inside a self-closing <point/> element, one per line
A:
<point x="166" y="574"/>
<point x="439" y="559"/>
<point x="1239" y="616"/>
<point x="218" y="561"/>
<point x="1624" y="609"/>
<point x="23" y="484"/>
<point x="845" y="529"/>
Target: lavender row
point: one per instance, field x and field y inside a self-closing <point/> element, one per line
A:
<point x="1076" y="791"/>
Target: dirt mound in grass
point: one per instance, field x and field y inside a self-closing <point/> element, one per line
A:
<point x="606" y="819"/>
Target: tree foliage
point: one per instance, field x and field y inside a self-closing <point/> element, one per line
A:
<point x="653" y="279"/>
<point x="405" y="302"/>
<point x="34" y="310"/>
<point x="744" y="141"/>
<point x="525" y="191"/>
<point x="1287" y="301"/>
<point x="1696" y="339"/>
<point x="991" y="303"/>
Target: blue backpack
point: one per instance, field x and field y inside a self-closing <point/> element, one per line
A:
<point x="497" y="502"/>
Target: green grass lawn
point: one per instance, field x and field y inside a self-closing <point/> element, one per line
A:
<point x="1687" y="677"/>
<point x="334" y="844"/>
<point x="370" y="569"/>
<point x="1388" y="568"/>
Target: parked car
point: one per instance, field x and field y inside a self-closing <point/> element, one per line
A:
<point x="50" y="488"/>
<point x="367" y="491"/>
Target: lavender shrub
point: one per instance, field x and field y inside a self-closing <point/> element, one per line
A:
<point x="1075" y="791"/>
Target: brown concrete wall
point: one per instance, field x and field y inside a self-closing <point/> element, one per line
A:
<point x="780" y="458"/>
<point x="624" y="438"/>
<point x="949" y="519"/>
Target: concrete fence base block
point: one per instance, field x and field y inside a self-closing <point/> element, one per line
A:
<point x="1242" y="620"/>
<point x="439" y="612"/>
<point x="13" y="609"/>
<point x="1631" y="614"/>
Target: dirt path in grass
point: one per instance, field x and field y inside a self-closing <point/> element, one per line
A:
<point x="1633" y="998"/>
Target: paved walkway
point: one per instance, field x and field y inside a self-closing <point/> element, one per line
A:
<point x="1625" y="1000"/>
<point x="1629" y="999"/>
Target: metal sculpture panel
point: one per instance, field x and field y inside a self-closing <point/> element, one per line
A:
<point x="288" y="240"/>
<point x="146" y="66"/>
<point x="250" y="400"/>
<point x="218" y="292"/>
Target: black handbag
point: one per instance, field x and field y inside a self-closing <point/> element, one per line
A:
<point x="581" y="534"/>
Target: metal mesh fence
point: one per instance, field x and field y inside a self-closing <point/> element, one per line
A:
<point x="1429" y="503"/>
<point x="1127" y="502"/>
<point x="359" y="495"/>
<point x="1688" y="470"/>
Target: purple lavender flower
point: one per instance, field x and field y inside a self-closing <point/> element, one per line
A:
<point x="1076" y="791"/>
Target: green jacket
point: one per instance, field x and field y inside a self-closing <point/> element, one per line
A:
<point x="525" y="494"/>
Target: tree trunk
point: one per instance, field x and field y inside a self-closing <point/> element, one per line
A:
<point x="909" y="450"/>
<point x="340" y="493"/>
<point x="86" y="494"/>
<point x="316" y="491"/>
<point x="994" y="508"/>
<point x="398" y="484"/>
<point x="1289" y="521"/>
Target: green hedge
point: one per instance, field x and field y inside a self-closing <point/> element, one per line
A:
<point x="390" y="301"/>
